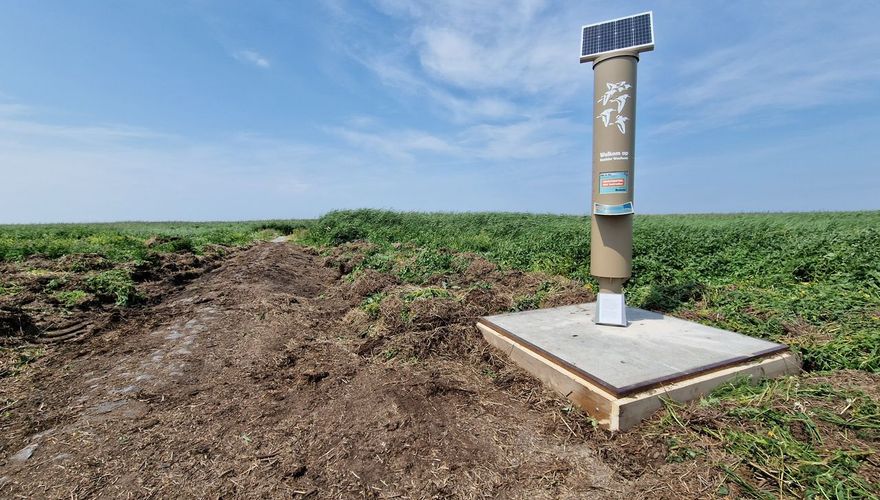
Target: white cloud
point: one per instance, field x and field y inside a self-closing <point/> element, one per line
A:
<point x="473" y="61"/>
<point x="22" y="124"/>
<point x="82" y="172"/>
<point x="478" y="109"/>
<point x="252" y="57"/>
<point x="511" y="61"/>
<point x="516" y="47"/>
<point x="778" y="65"/>
<point x="402" y="146"/>
<point x="12" y="109"/>
<point x="500" y="72"/>
<point x="524" y="140"/>
<point x="521" y="140"/>
<point x="112" y="176"/>
<point x="77" y="133"/>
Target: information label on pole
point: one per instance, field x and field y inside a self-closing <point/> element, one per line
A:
<point x="622" y="209"/>
<point x="613" y="182"/>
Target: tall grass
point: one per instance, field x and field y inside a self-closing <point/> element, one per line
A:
<point x="808" y="279"/>
<point x="132" y="241"/>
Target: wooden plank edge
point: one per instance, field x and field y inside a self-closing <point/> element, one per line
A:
<point x="549" y="356"/>
<point x="592" y="399"/>
<point x="623" y="413"/>
<point x="629" y="411"/>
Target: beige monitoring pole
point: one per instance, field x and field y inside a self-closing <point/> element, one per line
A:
<point x="613" y="47"/>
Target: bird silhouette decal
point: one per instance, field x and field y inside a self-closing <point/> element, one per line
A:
<point x="613" y="88"/>
<point x="621" y="123"/>
<point x="621" y="101"/>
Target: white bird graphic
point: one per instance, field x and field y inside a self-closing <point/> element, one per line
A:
<point x="613" y="88"/>
<point x="607" y="95"/>
<point x="621" y="123"/>
<point x="618" y="87"/>
<point x="606" y="116"/>
<point x="621" y="101"/>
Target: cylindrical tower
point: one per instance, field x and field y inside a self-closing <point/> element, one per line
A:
<point x="613" y="47"/>
<point x="614" y="120"/>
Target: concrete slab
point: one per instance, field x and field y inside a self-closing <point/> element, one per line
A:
<point x="654" y="350"/>
<point x="621" y="376"/>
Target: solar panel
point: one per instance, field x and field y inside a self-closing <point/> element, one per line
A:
<point x="627" y="33"/>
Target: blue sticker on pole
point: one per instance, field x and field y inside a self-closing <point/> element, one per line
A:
<point x="622" y="209"/>
<point x="613" y="182"/>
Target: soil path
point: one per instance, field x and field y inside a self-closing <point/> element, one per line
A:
<point x="240" y="386"/>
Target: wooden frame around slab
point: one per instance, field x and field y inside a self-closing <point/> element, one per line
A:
<point x="622" y="413"/>
<point x="632" y="388"/>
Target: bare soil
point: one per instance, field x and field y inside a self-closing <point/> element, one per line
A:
<point x="264" y="377"/>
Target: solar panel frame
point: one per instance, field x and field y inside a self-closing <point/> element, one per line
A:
<point x="644" y="47"/>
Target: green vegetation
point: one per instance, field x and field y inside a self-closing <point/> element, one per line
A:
<point x="116" y="284"/>
<point x="71" y="298"/>
<point x="796" y="438"/>
<point x="528" y="302"/>
<point x="9" y="289"/>
<point x="372" y="304"/>
<point x="811" y="280"/>
<point x="133" y="241"/>
<point x="408" y="262"/>
<point x="426" y="293"/>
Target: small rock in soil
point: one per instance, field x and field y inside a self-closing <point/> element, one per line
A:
<point x="24" y="453"/>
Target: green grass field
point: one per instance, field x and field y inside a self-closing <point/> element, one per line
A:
<point x="133" y="241"/>
<point x="126" y="245"/>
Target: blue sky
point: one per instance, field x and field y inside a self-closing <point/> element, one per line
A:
<point x="220" y="110"/>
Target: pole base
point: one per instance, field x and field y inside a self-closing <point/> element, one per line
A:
<point x="610" y="309"/>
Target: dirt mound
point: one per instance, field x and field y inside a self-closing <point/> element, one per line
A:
<point x="392" y="318"/>
<point x="369" y="282"/>
<point x="76" y="295"/>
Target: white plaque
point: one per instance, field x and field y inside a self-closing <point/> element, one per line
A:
<point x="610" y="309"/>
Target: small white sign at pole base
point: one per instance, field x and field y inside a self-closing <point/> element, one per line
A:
<point x="610" y="309"/>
